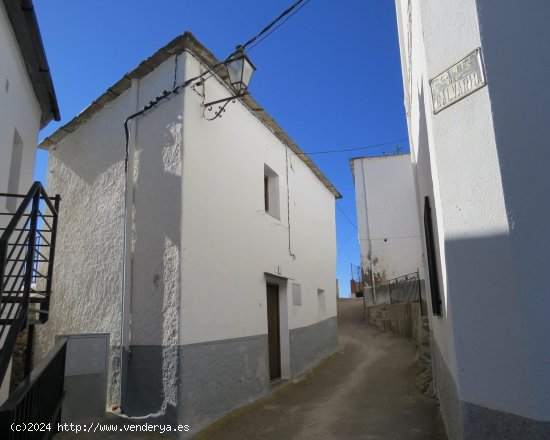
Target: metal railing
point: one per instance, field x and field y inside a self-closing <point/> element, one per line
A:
<point x="405" y="288"/>
<point x="27" y="250"/>
<point x="37" y="401"/>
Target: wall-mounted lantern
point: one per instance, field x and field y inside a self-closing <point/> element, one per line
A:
<point x="240" y="70"/>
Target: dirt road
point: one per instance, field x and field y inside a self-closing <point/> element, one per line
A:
<point x="364" y="391"/>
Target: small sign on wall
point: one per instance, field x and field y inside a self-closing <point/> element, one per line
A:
<point x="458" y="81"/>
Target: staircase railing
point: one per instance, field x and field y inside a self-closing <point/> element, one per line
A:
<point x="33" y="410"/>
<point x="27" y="250"/>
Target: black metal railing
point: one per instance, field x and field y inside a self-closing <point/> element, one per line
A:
<point x="27" y="250"/>
<point x="37" y="401"/>
<point x="405" y="288"/>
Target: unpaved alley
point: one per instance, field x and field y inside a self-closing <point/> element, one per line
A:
<point x="364" y="391"/>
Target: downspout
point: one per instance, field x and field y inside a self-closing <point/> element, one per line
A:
<point x="125" y="311"/>
<point x="373" y="279"/>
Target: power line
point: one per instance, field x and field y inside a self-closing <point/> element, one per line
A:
<point x="346" y="216"/>
<point x="343" y="150"/>
<point x="292" y="10"/>
<point x="166" y="94"/>
<point x="343" y="245"/>
<point x="279" y="25"/>
<point x="273" y="23"/>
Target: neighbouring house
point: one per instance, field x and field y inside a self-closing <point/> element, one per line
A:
<point x="27" y="97"/>
<point x="387" y="223"/>
<point x="475" y="77"/>
<point x="226" y="282"/>
<point x="27" y="241"/>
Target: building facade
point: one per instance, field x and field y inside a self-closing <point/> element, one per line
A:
<point x="226" y="279"/>
<point x="27" y="104"/>
<point x="387" y="221"/>
<point x="474" y="75"/>
<point x="27" y="97"/>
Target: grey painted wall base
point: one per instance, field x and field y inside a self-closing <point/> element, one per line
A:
<point x="144" y="383"/>
<point x="308" y="345"/>
<point x="447" y="394"/>
<point x="214" y="378"/>
<point x="468" y="421"/>
<point x="488" y="424"/>
<point x="217" y="377"/>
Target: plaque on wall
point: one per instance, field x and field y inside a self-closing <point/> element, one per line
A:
<point x="458" y="81"/>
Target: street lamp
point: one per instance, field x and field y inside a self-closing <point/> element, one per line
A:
<point x="240" y="70"/>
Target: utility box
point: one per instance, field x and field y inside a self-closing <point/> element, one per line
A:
<point x="85" y="377"/>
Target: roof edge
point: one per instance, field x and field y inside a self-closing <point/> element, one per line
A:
<point x="24" y="23"/>
<point x="184" y="42"/>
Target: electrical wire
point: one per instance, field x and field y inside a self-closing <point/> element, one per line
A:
<point x="288" y="205"/>
<point x="279" y="25"/>
<point x="343" y="245"/>
<point x="346" y="216"/>
<point x="343" y="150"/>
<point x="273" y="23"/>
<point x="199" y="78"/>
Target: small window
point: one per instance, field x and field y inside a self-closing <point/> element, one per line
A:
<point x="15" y="171"/>
<point x="296" y="295"/>
<point x="266" y="193"/>
<point x="271" y="193"/>
<point x="321" y="300"/>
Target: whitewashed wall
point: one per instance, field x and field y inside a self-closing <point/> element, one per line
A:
<point x="87" y="169"/>
<point x="19" y="113"/>
<point x="468" y="159"/>
<point x="229" y="240"/>
<point x="19" y="110"/>
<point x="387" y="218"/>
<point x="200" y="241"/>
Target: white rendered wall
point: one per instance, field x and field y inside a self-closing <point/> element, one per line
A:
<point x="19" y="110"/>
<point x="87" y="169"/>
<point x="199" y="244"/>
<point x="387" y="219"/>
<point x="468" y="158"/>
<point x="229" y="241"/>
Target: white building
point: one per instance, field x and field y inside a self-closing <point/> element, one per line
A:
<point x="475" y="76"/>
<point x="27" y="97"/>
<point x="387" y="221"/>
<point x="228" y="222"/>
<point x="27" y="104"/>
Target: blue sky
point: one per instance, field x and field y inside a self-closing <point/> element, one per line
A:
<point x="330" y="76"/>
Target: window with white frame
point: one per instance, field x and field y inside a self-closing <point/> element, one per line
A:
<point x="271" y="193"/>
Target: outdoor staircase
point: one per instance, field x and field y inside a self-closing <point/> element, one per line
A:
<point x="27" y="251"/>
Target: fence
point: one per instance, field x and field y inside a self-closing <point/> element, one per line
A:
<point x="37" y="400"/>
<point x="405" y="289"/>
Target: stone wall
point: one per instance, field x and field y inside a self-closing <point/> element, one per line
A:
<point x="18" y="360"/>
<point x="401" y="319"/>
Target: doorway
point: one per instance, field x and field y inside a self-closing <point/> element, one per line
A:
<point x="273" y="332"/>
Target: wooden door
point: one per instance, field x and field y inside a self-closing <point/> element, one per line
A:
<point x="273" y="331"/>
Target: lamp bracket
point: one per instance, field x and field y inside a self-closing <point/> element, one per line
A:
<point x="231" y="98"/>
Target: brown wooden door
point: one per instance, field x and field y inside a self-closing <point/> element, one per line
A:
<point x="273" y="331"/>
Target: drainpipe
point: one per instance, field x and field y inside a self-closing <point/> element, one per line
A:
<point x="125" y="311"/>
